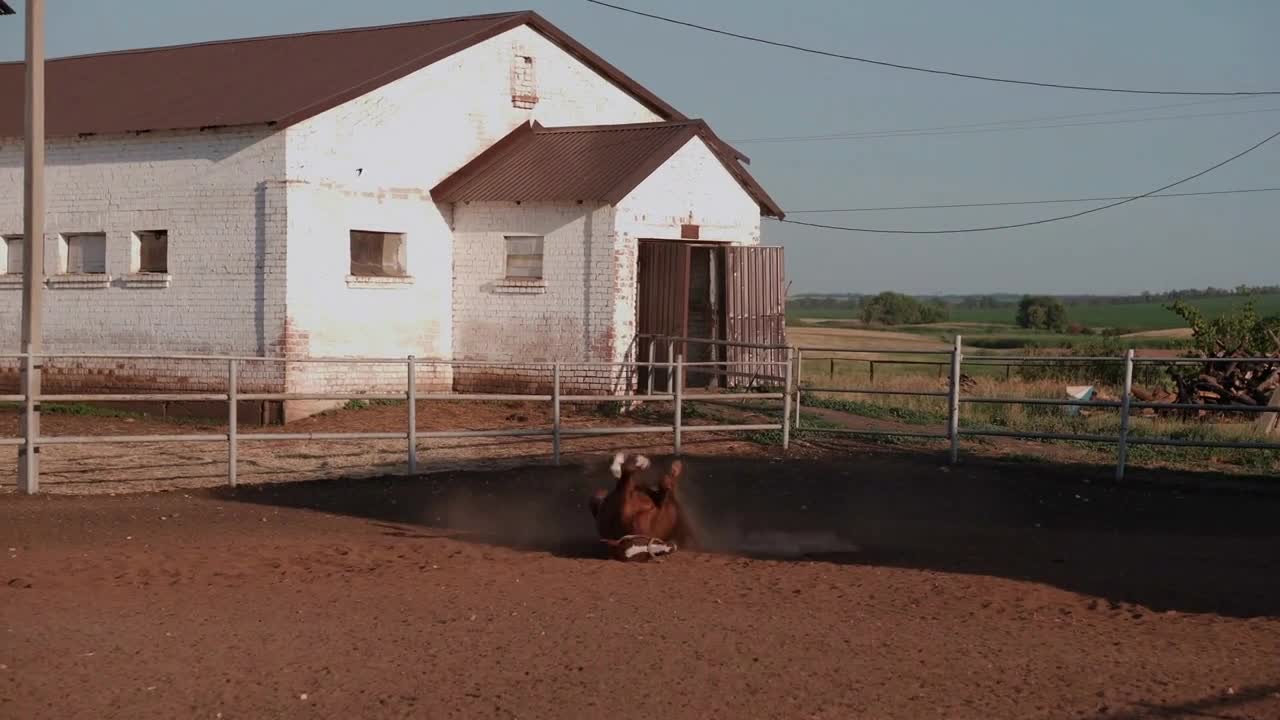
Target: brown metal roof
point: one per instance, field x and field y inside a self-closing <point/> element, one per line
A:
<point x="268" y="80"/>
<point x="597" y="162"/>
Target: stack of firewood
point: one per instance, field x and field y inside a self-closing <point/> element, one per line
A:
<point x="1223" y="379"/>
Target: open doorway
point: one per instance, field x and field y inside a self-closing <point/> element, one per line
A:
<point x="714" y="292"/>
<point x="706" y="315"/>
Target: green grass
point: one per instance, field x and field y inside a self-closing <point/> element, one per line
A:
<point x="809" y="422"/>
<point x="908" y="415"/>
<point x="84" y="410"/>
<point x="88" y="411"/>
<point x="366" y="404"/>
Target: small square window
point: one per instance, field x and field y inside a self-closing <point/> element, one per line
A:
<point x="377" y="254"/>
<point x="84" y="254"/>
<point x="13" y="247"/>
<point x="150" y="252"/>
<point x="524" y="258"/>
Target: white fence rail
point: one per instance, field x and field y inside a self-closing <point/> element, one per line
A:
<point x="956" y="359"/>
<point x="790" y="380"/>
<point x="411" y="435"/>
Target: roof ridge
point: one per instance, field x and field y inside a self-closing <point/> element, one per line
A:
<point x="523" y="164"/>
<point x="281" y="36"/>
<point x="605" y="127"/>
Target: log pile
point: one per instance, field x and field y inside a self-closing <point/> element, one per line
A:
<point x="1230" y="383"/>
<point x="1223" y="379"/>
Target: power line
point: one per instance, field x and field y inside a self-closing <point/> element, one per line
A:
<point x="1043" y="221"/>
<point x="915" y="68"/>
<point x="979" y="129"/>
<point x="1034" y="202"/>
<point x="1016" y="121"/>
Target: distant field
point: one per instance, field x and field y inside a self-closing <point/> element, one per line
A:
<point x="847" y="333"/>
<point x="1135" y="316"/>
<point x="1138" y="316"/>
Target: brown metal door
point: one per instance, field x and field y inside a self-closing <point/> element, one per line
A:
<point x="755" y="313"/>
<point x="663" y="300"/>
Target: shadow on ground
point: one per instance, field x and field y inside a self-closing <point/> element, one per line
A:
<point x="1181" y="543"/>
<point x="1213" y="706"/>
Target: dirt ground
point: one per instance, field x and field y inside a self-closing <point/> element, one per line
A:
<point x="869" y="585"/>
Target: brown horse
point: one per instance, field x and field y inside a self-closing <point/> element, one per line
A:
<point x="638" y="521"/>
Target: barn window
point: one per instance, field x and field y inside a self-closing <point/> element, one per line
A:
<point x="524" y="258"/>
<point x="150" y="252"/>
<point x="12" y="255"/>
<point x="377" y="254"/>
<point x="524" y="85"/>
<point x="84" y="254"/>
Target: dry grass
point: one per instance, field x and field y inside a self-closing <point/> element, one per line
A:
<point x="1171" y="333"/>
<point x="932" y="412"/>
<point x="852" y="338"/>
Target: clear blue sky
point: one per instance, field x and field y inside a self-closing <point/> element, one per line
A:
<point x="746" y="90"/>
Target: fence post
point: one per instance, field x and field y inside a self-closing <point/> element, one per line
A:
<point x="233" y="420"/>
<point x="831" y="369"/>
<point x="411" y="365"/>
<point x="799" y="382"/>
<point x="786" y="402"/>
<point x="953" y="412"/>
<point x="653" y="345"/>
<point x="872" y="365"/>
<point x="555" y="410"/>
<point x="679" y="399"/>
<point x="1122" y="447"/>
<point x="671" y="365"/>
<point x="29" y="451"/>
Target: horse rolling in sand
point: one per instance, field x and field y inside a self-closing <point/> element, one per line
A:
<point x="640" y="522"/>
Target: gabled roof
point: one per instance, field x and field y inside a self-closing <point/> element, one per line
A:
<point x="278" y="80"/>
<point x="595" y="162"/>
<point x="5" y="9"/>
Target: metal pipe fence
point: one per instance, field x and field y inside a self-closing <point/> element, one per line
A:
<point x="637" y="386"/>
<point x="719" y="367"/>
<point x="956" y="360"/>
<point x="557" y="398"/>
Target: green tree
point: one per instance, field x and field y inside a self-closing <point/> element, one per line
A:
<point x="1239" y="331"/>
<point x="890" y="308"/>
<point x="1041" y="312"/>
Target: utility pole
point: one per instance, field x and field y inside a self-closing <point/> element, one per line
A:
<point x="33" y="248"/>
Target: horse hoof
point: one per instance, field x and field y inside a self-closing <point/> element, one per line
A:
<point x="639" y="548"/>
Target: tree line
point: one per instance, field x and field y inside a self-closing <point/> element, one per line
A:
<point x="894" y="301"/>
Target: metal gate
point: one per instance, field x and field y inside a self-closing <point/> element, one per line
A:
<point x="755" y="299"/>
<point x="663" y="287"/>
<point x="753" y="314"/>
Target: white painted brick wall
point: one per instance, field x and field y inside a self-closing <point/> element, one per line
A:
<point x="694" y="188"/>
<point x="229" y="198"/>
<point x="567" y="317"/>
<point x="210" y="190"/>
<point x="587" y="309"/>
<point x="370" y="164"/>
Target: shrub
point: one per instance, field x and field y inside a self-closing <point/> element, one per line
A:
<point x="890" y="308"/>
<point x="1041" y="312"/>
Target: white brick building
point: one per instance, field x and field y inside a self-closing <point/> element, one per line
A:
<point x="357" y="193"/>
